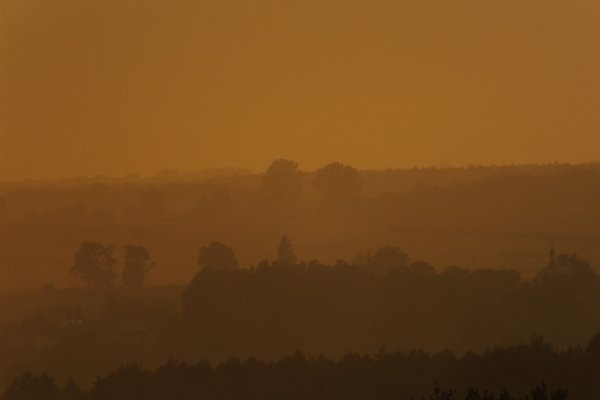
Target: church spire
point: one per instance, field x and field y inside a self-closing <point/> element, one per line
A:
<point x="552" y="257"/>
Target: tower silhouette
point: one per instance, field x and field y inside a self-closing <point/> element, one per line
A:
<point x="552" y="257"/>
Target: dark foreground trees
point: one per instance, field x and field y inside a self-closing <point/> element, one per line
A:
<point x="361" y="377"/>
<point x="32" y="387"/>
<point x="269" y="311"/>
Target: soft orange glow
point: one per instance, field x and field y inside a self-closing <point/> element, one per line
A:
<point x="116" y="87"/>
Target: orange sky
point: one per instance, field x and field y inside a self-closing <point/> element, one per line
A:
<point x="118" y="86"/>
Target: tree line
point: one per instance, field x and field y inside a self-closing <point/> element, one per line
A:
<point x="532" y="371"/>
<point x="381" y="297"/>
<point x="491" y="208"/>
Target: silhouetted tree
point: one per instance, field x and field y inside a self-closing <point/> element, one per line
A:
<point x="422" y="268"/>
<point x="441" y="394"/>
<point x="541" y="392"/>
<point x="137" y="260"/>
<point x="504" y="395"/>
<point x="593" y="347"/>
<point x="552" y="257"/>
<point x="282" y="180"/>
<point x="387" y="257"/>
<point x="285" y="253"/>
<point x="32" y="387"/>
<point x="337" y="183"/>
<point x="129" y="381"/>
<point x="94" y="264"/>
<point x="455" y="274"/>
<point x="217" y="255"/>
<point x="71" y="391"/>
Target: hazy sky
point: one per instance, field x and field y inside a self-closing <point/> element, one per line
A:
<point x="116" y="86"/>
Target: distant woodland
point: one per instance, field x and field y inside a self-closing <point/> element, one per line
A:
<point x="478" y="217"/>
<point x="288" y="283"/>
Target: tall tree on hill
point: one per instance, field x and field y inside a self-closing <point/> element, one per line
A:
<point x="387" y="257"/>
<point x="337" y="183"/>
<point x="137" y="264"/>
<point x="282" y="186"/>
<point x="217" y="255"/>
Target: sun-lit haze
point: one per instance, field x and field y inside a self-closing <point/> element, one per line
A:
<point x="112" y="87"/>
<point x="299" y="199"/>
